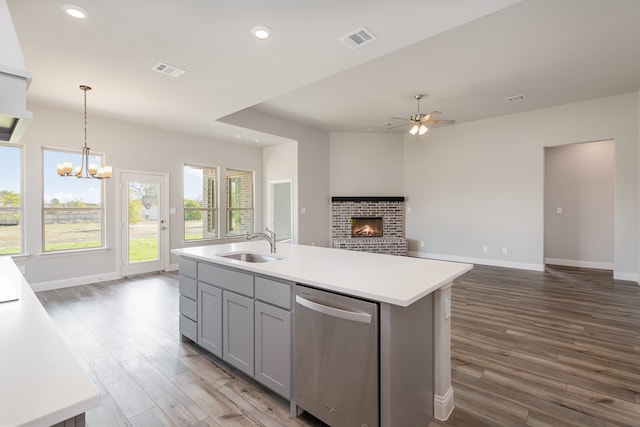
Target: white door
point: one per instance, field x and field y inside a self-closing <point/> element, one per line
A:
<point x="281" y="209"/>
<point x="143" y="223"/>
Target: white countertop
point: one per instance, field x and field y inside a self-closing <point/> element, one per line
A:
<point x="41" y="381"/>
<point x="390" y="279"/>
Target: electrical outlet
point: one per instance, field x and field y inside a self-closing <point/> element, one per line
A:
<point x="504" y="251"/>
<point x="485" y="249"/>
<point x="408" y="209"/>
<point x="422" y="243"/>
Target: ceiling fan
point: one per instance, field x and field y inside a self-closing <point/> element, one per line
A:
<point x="420" y="121"/>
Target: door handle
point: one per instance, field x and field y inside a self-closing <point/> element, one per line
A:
<point x="335" y="312"/>
<point x="164" y="227"/>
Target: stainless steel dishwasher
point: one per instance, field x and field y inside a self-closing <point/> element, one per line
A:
<point x="336" y="358"/>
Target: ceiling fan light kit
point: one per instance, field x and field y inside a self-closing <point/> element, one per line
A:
<point x="420" y="121"/>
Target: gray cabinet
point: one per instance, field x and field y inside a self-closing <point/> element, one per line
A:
<point x="237" y="335"/>
<point x="210" y="318"/>
<point x="273" y="348"/>
<point x="188" y="299"/>
<point x="241" y="318"/>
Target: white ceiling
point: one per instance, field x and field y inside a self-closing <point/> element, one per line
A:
<point x="465" y="55"/>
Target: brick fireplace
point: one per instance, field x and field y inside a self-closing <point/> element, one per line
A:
<point x="368" y="224"/>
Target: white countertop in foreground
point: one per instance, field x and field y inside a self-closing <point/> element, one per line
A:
<point x="41" y="381"/>
<point x="384" y="278"/>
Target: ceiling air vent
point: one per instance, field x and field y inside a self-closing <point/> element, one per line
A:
<point x="357" y="38"/>
<point x="516" y="98"/>
<point x="169" y="70"/>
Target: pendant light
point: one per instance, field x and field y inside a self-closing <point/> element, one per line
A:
<point x="85" y="169"/>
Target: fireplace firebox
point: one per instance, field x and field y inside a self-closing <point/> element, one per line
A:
<point x="366" y="227"/>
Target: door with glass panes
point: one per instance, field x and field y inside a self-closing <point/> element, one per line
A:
<point x="143" y="223"/>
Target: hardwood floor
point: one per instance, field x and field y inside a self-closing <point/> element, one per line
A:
<point x="125" y="333"/>
<point x="559" y="348"/>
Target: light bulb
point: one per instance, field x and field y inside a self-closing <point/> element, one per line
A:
<point x="75" y="11"/>
<point x="414" y="130"/>
<point x="261" y="33"/>
<point x="422" y="130"/>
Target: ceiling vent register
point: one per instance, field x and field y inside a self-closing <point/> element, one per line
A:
<point x="357" y="38"/>
<point x="516" y="98"/>
<point x="169" y="70"/>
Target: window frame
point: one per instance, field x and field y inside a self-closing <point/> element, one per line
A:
<point x="215" y="210"/>
<point x="101" y="208"/>
<point x="230" y="209"/>
<point x="20" y="210"/>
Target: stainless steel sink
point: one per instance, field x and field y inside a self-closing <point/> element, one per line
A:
<point x="251" y="257"/>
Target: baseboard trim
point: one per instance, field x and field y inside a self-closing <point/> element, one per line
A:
<point x="579" y="263"/>
<point x="631" y="277"/>
<point x="73" y="281"/>
<point x="480" y="261"/>
<point x="443" y="405"/>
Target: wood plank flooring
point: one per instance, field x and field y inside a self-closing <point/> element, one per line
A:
<point x="559" y="348"/>
<point x="126" y="335"/>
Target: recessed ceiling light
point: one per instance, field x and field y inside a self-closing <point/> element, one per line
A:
<point x="75" y="11"/>
<point x="261" y="33"/>
<point x="258" y="141"/>
<point x="237" y="136"/>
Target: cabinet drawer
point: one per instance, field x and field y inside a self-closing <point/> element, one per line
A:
<point x="188" y="287"/>
<point x="189" y="328"/>
<point x="188" y="268"/>
<point x="189" y="308"/>
<point x="232" y="280"/>
<point x="273" y="292"/>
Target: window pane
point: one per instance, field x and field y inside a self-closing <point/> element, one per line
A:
<point x="200" y="224"/>
<point x="239" y="202"/>
<point x="73" y="216"/>
<point x="10" y="200"/>
<point x="144" y="240"/>
<point x="67" y="229"/>
<point x="200" y="203"/>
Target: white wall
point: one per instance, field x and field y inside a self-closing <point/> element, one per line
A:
<point x="313" y="170"/>
<point x="580" y="182"/>
<point x="366" y="164"/>
<point x="10" y="54"/>
<point x="481" y="183"/>
<point x="126" y="147"/>
<point x="280" y="162"/>
<point x="638" y="206"/>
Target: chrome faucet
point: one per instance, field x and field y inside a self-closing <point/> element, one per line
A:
<point x="271" y="238"/>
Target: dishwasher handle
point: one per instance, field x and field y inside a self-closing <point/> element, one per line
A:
<point x="355" y="316"/>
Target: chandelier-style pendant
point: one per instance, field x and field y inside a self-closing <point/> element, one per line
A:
<point x="85" y="169"/>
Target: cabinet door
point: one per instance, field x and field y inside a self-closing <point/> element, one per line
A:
<point x="210" y="318"/>
<point x="273" y="348"/>
<point x="238" y="331"/>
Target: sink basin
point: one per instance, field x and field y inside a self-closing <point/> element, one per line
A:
<point x="251" y="257"/>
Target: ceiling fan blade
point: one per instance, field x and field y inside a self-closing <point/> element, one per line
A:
<point x="402" y="118"/>
<point x="439" y="122"/>
<point x="399" y="126"/>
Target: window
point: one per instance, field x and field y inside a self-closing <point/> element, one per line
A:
<point x="239" y="203"/>
<point x="72" y="211"/>
<point x="10" y="199"/>
<point x="200" y="203"/>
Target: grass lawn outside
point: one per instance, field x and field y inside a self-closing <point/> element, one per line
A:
<point x="143" y="242"/>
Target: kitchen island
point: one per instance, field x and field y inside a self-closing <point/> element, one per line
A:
<point x="41" y="381"/>
<point x="413" y="295"/>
